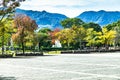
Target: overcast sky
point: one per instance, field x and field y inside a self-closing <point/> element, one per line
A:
<point x="71" y="8"/>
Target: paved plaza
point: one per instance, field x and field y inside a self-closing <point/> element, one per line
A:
<point x="97" y="66"/>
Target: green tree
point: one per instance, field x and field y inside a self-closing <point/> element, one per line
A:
<point x="7" y="7"/>
<point x="69" y="22"/>
<point x="116" y="27"/>
<point x="95" y="26"/>
<point x="117" y="38"/>
<point x="105" y="37"/>
<point x="44" y="30"/>
<point x="113" y="25"/>
<point x="93" y="38"/>
<point x="80" y="34"/>
<point x="66" y="37"/>
<point x="5" y="30"/>
<point x="43" y="38"/>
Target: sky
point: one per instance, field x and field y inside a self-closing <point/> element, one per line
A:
<point x="71" y="8"/>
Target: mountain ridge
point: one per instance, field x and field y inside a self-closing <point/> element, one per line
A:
<point x="101" y="17"/>
<point x="52" y="20"/>
<point x="44" y="18"/>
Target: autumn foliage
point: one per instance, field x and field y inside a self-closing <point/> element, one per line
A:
<point x="25" y="28"/>
<point x="53" y="35"/>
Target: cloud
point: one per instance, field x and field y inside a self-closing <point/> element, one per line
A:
<point x="70" y="8"/>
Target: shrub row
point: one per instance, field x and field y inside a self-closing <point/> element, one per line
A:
<point x="86" y="51"/>
<point x="6" y="55"/>
<point x="30" y="54"/>
<point x="56" y="49"/>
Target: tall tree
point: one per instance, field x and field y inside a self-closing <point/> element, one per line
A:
<point x="80" y="34"/>
<point x="113" y="25"/>
<point x="25" y="27"/>
<point x="95" y="26"/>
<point x="53" y="35"/>
<point x="105" y="37"/>
<point x="93" y="38"/>
<point x="116" y="27"/>
<point x="66" y="37"/>
<point x="117" y="36"/>
<point x="43" y="38"/>
<point x="7" y="7"/>
<point x="108" y="37"/>
<point x="69" y="22"/>
<point x="5" y="29"/>
<point x="44" y="30"/>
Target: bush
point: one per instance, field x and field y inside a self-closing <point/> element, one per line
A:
<point x="8" y="54"/>
<point x="56" y="49"/>
<point x="30" y="54"/>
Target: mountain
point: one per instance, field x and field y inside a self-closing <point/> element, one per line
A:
<point x="43" y="18"/>
<point x="101" y="17"/>
<point x="52" y="20"/>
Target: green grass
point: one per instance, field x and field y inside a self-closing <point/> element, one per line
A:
<point x="53" y="52"/>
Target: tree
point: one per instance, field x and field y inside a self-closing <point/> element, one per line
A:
<point x="44" y="30"/>
<point x="105" y="37"/>
<point x="7" y="7"/>
<point x="93" y="38"/>
<point x="69" y="22"/>
<point x="25" y="27"/>
<point x="43" y="38"/>
<point x="95" y="26"/>
<point x="113" y="25"/>
<point x="116" y="27"/>
<point x="53" y="35"/>
<point x="80" y="34"/>
<point x="117" y="38"/>
<point x="108" y="37"/>
<point x="66" y="36"/>
<point x="5" y="29"/>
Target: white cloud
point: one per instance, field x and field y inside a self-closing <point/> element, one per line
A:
<point x="55" y="2"/>
<point x="71" y="8"/>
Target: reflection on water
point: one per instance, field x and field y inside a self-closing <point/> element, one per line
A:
<point x="7" y="78"/>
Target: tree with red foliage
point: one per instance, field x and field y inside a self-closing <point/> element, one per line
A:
<point x="25" y="27"/>
<point x="53" y="33"/>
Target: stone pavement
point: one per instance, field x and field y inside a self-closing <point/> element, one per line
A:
<point x="62" y="67"/>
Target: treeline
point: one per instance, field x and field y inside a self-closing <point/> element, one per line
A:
<point x="19" y="32"/>
<point x="80" y="35"/>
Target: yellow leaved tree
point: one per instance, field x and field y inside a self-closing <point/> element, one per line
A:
<point x="108" y="37"/>
<point x="66" y="36"/>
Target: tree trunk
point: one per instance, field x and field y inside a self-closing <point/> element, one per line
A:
<point x="23" y="47"/>
<point x="39" y="46"/>
<point x="106" y="47"/>
<point x="68" y="44"/>
<point x="22" y="37"/>
<point x="2" y="44"/>
<point x="115" y="45"/>
<point x="80" y="44"/>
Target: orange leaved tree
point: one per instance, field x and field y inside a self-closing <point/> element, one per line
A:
<point x="53" y="35"/>
<point x="25" y="27"/>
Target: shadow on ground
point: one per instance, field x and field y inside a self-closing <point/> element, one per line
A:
<point x="26" y="57"/>
<point x="7" y="78"/>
